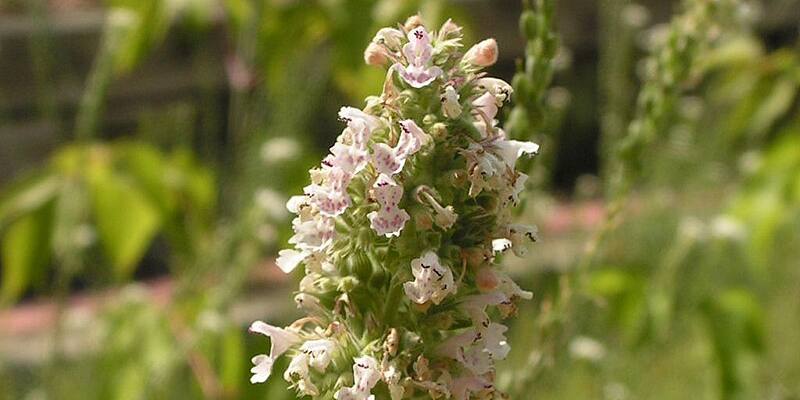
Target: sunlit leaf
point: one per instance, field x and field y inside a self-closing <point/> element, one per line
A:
<point x="27" y="195"/>
<point x="25" y="252"/>
<point x="126" y="221"/>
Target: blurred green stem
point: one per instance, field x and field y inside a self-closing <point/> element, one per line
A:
<point x="616" y="48"/>
<point x="94" y="94"/>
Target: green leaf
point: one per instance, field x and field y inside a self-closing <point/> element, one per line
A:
<point x="25" y="252"/>
<point x="232" y="372"/>
<point x="126" y="221"/>
<point x="147" y="166"/>
<point x="736" y="327"/>
<point x="27" y="195"/>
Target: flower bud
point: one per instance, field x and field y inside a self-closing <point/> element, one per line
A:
<point x="450" y="105"/>
<point x="443" y="321"/>
<point x="423" y="220"/>
<point x="375" y="55"/>
<point x="413" y="22"/>
<point x="438" y="131"/>
<point x="475" y="256"/>
<point x="449" y="28"/>
<point x="392" y="342"/>
<point x="486" y="279"/>
<point x="359" y="265"/>
<point x="483" y="54"/>
<point x="390" y="37"/>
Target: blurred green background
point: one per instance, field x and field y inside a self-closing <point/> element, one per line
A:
<point x="147" y="148"/>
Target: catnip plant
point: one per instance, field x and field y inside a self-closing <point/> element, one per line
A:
<point x="400" y="230"/>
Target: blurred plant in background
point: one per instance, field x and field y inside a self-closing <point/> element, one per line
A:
<point x="685" y="286"/>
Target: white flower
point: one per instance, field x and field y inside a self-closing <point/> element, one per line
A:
<point x="467" y="348"/>
<point x="312" y="232"/>
<point x="462" y="387"/>
<point x="297" y="373"/>
<point x="486" y="107"/>
<point x="351" y="114"/>
<point x="319" y="262"/>
<point x="475" y="306"/>
<point x="510" y="288"/>
<point x="450" y="105"/>
<point x="348" y="393"/>
<point x="366" y="375"/>
<point x="360" y="126"/>
<point x="350" y="159"/>
<point x="296" y="203"/>
<point x="262" y="368"/>
<point x="432" y="281"/>
<point x="520" y="235"/>
<point x="499" y="88"/>
<point x="289" y="259"/>
<point x="386" y="191"/>
<point x="319" y="353"/>
<point x="412" y="138"/>
<point x="391" y="375"/>
<point x="329" y="195"/>
<point x="389" y="220"/>
<point x="418" y="73"/>
<point x="280" y="341"/>
<point x="297" y="369"/>
<point x="511" y="193"/>
<point x="309" y="303"/>
<point x="482" y="54"/>
<point x="500" y="245"/>
<point x="494" y="340"/>
<point x="483" y="169"/>
<point x="388" y="160"/>
<point x="511" y="150"/>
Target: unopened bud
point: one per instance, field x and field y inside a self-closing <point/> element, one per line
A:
<point x="423" y="220"/>
<point x="486" y="280"/>
<point x="390" y="37"/>
<point x="392" y="342"/>
<point x="438" y="131"/>
<point x="475" y="256"/>
<point x="449" y="28"/>
<point x="443" y="321"/>
<point x="483" y="54"/>
<point x="375" y="55"/>
<point x="412" y="22"/>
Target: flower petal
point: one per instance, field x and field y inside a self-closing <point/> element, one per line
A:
<point x="289" y="259"/>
